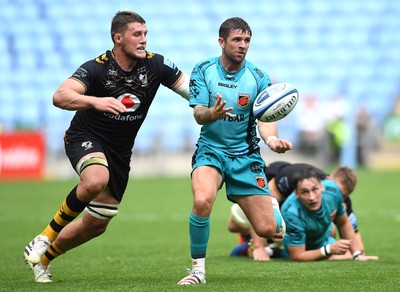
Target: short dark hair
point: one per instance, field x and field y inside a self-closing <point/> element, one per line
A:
<point x="302" y="174"/>
<point x="233" y="23"/>
<point x="121" y="19"/>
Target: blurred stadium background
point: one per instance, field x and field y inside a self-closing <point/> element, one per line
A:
<point x="343" y="56"/>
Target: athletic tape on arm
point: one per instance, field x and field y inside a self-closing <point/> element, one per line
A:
<point x="183" y="89"/>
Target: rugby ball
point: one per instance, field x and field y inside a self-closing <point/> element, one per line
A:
<point x="275" y="102"/>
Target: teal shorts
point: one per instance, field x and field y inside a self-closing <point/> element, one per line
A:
<point x="243" y="175"/>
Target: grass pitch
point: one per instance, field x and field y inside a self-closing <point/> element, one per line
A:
<point x="146" y="247"/>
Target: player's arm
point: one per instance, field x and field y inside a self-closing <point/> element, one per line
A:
<point x="182" y="86"/>
<point x="360" y="243"/>
<point x="205" y="115"/>
<point x="71" y="96"/>
<point x="269" y="134"/>
<point x="354" y="223"/>
<point x="295" y="234"/>
<point x="347" y="232"/>
<point x="295" y="238"/>
<point x="338" y="248"/>
<point x="300" y="254"/>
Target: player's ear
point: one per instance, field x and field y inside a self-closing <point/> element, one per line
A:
<point x="221" y="42"/>
<point x="117" y="38"/>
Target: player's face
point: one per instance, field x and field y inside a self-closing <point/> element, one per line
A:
<point x="309" y="192"/>
<point x="134" y="40"/>
<point x="236" y="45"/>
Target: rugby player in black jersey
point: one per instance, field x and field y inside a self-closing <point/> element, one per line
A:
<point x="111" y="95"/>
<point x="279" y="176"/>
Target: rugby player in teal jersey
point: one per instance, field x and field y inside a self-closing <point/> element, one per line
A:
<point x="309" y="212"/>
<point x="279" y="175"/>
<point x="222" y="93"/>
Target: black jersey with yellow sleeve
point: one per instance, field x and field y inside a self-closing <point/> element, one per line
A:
<point x="103" y="77"/>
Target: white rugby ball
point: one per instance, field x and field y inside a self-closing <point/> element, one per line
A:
<point x="275" y="102"/>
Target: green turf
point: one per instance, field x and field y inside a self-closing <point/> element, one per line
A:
<point x="146" y="247"/>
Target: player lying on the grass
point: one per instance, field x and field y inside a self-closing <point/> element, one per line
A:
<point x="279" y="175"/>
<point x="309" y="213"/>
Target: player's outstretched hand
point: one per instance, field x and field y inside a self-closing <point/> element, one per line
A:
<point x="219" y="110"/>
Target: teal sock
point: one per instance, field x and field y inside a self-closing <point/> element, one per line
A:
<point x="278" y="219"/>
<point x="199" y="230"/>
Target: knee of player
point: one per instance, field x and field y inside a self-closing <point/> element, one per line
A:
<point x="265" y="230"/>
<point x="94" y="174"/>
<point x="95" y="184"/>
<point x="203" y="204"/>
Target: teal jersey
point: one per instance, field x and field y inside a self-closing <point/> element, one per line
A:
<point x="312" y="228"/>
<point x="233" y="136"/>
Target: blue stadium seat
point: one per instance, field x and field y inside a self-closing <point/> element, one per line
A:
<point x="8" y="109"/>
<point x="318" y="45"/>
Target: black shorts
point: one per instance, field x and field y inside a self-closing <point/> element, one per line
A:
<point x="118" y="163"/>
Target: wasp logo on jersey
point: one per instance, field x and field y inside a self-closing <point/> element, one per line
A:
<point x="87" y="145"/>
<point x="243" y="99"/>
<point x="130" y="101"/>
<point x="142" y="79"/>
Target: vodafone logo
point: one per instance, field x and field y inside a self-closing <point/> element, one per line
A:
<point x="130" y="101"/>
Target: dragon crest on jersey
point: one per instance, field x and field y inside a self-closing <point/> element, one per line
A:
<point x="261" y="181"/>
<point x="243" y="99"/>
